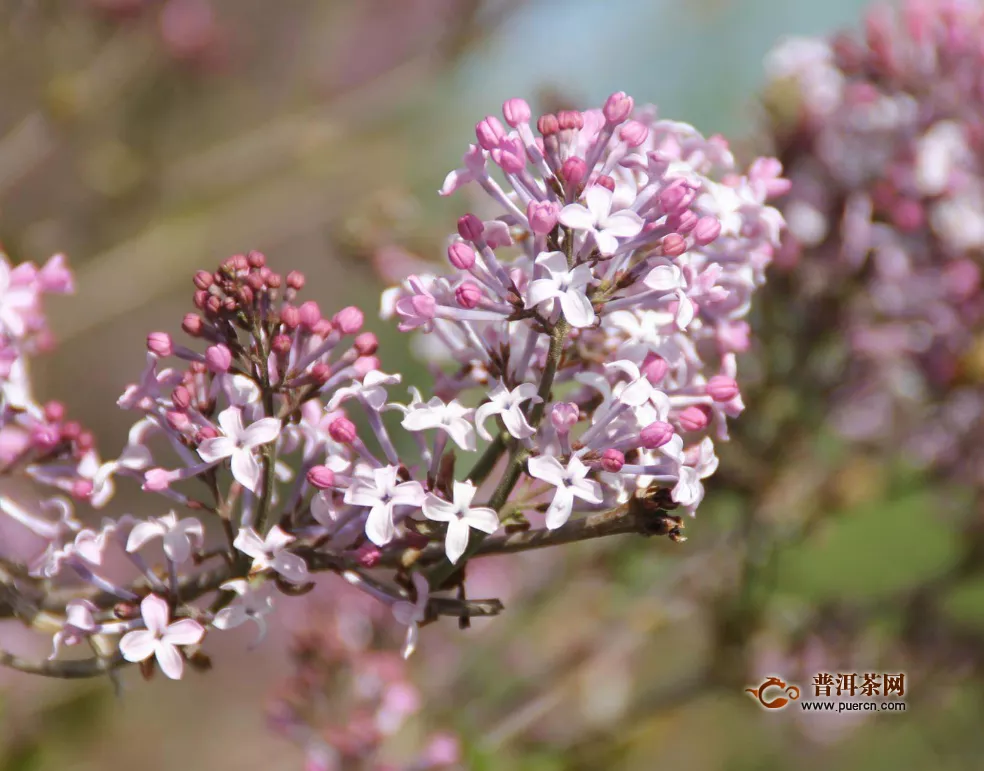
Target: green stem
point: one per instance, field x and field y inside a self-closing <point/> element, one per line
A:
<point x="484" y="465"/>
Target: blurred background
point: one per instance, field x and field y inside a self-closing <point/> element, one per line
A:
<point x="145" y="139"/>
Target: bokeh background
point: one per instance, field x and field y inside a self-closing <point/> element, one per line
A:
<point x="146" y="139"/>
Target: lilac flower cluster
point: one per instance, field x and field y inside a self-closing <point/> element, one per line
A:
<point x="599" y="304"/>
<point x="588" y="335"/>
<point x="882" y="140"/>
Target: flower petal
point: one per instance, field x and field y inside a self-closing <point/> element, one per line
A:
<point x="484" y="519"/>
<point x="292" y="567"/>
<point x="560" y="507"/>
<point x="231" y="422"/>
<point x="217" y="448"/>
<point x="155" y="613"/>
<point x="576" y="216"/>
<point x="138" y="645"/>
<point x="142" y="533"/>
<point x="170" y="661"/>
<point x="261" y="432"/>
<point x="482" y="414"/>
<point x="438" y="509"/>
<point x="624" y="224"/>
<point x="379" y="525"/>
<point x="456" y="540"/>
<point x="541" y="290"/>
<point x="516" y="423"/>
<point x="547" y="468"/>
<point x="577" y="308"/>
<point x="246" y="469"/>
<point x="185" y="631"/>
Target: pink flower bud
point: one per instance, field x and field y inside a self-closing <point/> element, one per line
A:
<point x="654" y="367"/>
<point x="655" y="435"/>
<point x="547" y="125"/>
<point x="516" y="111"/>
<point x="683" y="222"/>
<point x="203" y="279"/>
<point x="612" y="460"/>
<point x="606" y="182"/>
<point x="70" y="431"/>
<point x="179" y="421"/>
<point x="489" y="132"/>
<point x="618" y="107"/>
<point x="156" y="479"/>
<point x="574" y="170"/>
<point x="694" y="417"/>
<point x="461" y="255"/>
<point x="321" y="477"/>
<point x="542" y="216"/>
<point x="54" y="412"/>
<point x="159" y="344"/>
<point x="81" y="489"/>
<point x="706" y="230"/>
<point x="281" y="345"/>
<point x="368" y="555"/>
<point x="45" y="436"/>
<point x="470" y="227"/>
<point x="290" y="317"/>
<point x="563" y="416"/>
<point x="634" y="133"/>
<point x="85" y="442"/>
<point x="342" y="430"/>
<point x="674" y="245"/>
<point x="310" y="314"/>
<point x="366" y="344"/>
<point x="674" y="196"/>
<point x="722" y="388"/>
<point x="323" y="328"/>
<point x="510" y="155"/>
<point x="348" y="320"/>
<point x="366" y="364"/>
<point x="256" y="259"/>
<point x="295" y="280"/>
<point x="273" y="280"/>
<point x="206" y="432"/>
<point x="255" y="282"/>
<point x="218" y="358"/>
<point x="320" y="373"/>
<point x="181" y="397"/>
<point x="192" y="324"/>
<point x="570" y="120"/>
<point x="468" y="294"/>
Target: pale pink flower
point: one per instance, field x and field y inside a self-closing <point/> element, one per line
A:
<point x="461" y="517"/>
<point x="238" y="444"/>
<point x="161" y="639"/>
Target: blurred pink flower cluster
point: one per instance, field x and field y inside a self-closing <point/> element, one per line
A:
<point x="882" y="141"/>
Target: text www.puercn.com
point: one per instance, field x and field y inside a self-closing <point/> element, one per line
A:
<point x="853" y="706"/>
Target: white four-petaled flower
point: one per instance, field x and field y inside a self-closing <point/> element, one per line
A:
<point x="178" y="536"/>
<point x="160" y="638"/>
<point x="238" y="444"/>
<point x="381" y="495"/>
<point x="567" y="286"/>
<point x="371" y="390"/>
<point x="598" y="219"/>
<point x="452" y="418"/>
<point x="460" y="516"/>
<point x="570" y="483"/>
<point x="506" y="404"/>
<point x="252" y="604"/>
<point x="412" y="613"/>
<point x="271" y="553"/>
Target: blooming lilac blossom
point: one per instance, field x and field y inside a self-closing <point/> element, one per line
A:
<point x="238" y="443"/>
<point x="179" y="537"/>
<point x="460" y="517"/>
<point x="161" y="637"/>
<point x="271" y="553"/>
